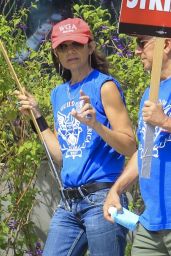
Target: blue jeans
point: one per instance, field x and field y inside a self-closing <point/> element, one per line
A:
<point x="72" y="232"/>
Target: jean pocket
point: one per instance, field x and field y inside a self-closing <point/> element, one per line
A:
<point x="98" y="197"/>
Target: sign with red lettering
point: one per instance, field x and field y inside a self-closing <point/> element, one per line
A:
<point x="146" y="17"/>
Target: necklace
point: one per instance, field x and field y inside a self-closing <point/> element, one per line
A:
<point x="77" y="89"/>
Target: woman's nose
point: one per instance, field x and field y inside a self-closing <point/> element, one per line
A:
<point x="70" y="48"/>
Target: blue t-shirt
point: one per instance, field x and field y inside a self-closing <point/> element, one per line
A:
<point x="156" y="191"/>
<point x="86" y="156"/>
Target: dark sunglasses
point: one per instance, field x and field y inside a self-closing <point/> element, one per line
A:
<point x="141" y="43"/>
<point x="74" y="45"/>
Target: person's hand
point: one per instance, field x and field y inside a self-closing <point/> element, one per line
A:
<point x="153" y="113"/>
<point x="112" y="200"/>
<point x="27" y="102"/>
<point x="87" y="113"/>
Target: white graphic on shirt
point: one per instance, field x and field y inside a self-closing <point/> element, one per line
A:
<point x="159" y="133"/>
<point x="70" y="130"/>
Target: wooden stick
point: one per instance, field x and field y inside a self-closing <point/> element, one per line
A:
<point x="156" y="69"/>
<point x="153" y="96"/>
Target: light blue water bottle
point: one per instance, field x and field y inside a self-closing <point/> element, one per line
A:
<point x="125" y="218"/>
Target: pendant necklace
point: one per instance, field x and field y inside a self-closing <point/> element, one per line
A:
<point x="82" y="83"/>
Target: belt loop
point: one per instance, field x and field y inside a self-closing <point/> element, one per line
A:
<point x="83" y="196"/>
<point x="66" y="192"/>
<point x="81" y="193"/>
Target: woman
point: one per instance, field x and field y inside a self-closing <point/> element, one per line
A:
<point x="92" y="133"/>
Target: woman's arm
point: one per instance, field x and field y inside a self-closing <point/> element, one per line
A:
<point x="52" y="143"/>
<point x="121" y="136"/>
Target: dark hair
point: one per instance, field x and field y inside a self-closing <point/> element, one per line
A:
<point x="98" y="61"/>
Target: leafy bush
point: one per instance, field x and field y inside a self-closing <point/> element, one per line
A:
<point x="20" y="151"/>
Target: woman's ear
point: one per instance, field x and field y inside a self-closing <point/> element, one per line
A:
<point x="92" y="46"/>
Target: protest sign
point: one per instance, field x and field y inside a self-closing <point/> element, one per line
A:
<point x="152" y="18"/>
<point x="147" y="17"/>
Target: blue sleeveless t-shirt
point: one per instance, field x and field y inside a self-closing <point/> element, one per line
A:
<point x="156" y="191"/>
<point x="86" y="156"/>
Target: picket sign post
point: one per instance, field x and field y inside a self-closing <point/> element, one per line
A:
<point x="152" y="18"/>
<point x="153" y="96"/>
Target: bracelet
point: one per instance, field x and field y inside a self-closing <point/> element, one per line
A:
<point x="41" y="122"/>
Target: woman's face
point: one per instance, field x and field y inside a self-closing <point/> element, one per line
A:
<point x="73" y="55"/>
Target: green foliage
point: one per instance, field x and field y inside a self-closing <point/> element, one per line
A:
<point x="20" y="151"/>
<point x="97" y="18"/>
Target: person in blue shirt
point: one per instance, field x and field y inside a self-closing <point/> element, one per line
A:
<point x="92" y="135"/>
<point x="153" y="235"/>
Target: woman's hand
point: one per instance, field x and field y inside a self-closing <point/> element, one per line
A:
<point x="85" y="113"/>
<point x="112" y="200"/>
<point x="26" y="103"/>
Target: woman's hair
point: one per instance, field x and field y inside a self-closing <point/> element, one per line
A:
<point x="98" y="61"/>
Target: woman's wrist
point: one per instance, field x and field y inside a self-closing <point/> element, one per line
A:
<point x="37" y="113"/>
<point x="42" y="124"/>
<point x="96" y="126"/>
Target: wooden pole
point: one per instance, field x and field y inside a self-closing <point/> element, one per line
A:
<point x="153" y="96"/>
<point x="156" y="69"/>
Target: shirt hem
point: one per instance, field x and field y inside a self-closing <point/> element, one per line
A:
<point x="155" y="227"/>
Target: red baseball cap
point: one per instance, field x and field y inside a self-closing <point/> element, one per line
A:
<point x="71" y="29"/>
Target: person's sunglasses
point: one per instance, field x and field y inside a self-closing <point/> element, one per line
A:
<point x="64" y="47"/>
<point x="141" y="43"/>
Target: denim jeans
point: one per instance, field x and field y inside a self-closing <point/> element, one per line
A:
<point x="72" y="232"/>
